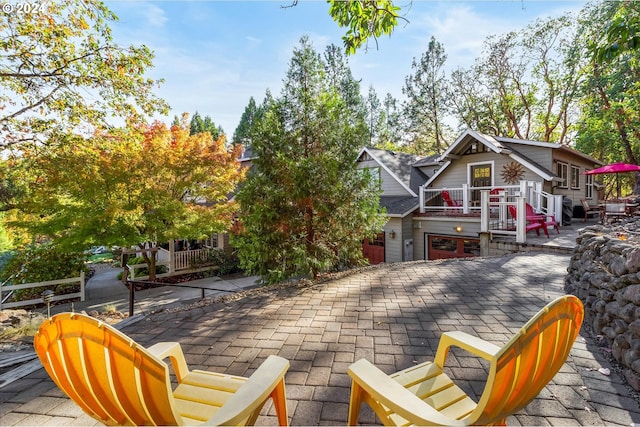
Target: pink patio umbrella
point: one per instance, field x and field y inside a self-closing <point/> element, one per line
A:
<point x="614" y="168"/>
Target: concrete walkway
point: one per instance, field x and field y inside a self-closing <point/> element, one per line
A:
<point x="105" y="291"/>
<point x="392" y="315"/>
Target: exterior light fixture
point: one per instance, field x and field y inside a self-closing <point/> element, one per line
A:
<point x="47" y="297"/>
<point x="457" y="229"/>
<point x="392" y="234"/>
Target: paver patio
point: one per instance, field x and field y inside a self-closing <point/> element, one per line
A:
<point x="392" y="315"/>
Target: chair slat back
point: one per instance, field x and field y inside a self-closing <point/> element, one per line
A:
<point x="106" y="373"/>
<point x="523" y="367"/>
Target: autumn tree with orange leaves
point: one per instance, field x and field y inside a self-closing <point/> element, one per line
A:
<point x="145" y="184"/>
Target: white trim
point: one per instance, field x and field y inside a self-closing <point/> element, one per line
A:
<point x="402" y="184"/>
<point x="529" y="142"/>
<point x="532" y="167"/>
<point x="437" y="173"/>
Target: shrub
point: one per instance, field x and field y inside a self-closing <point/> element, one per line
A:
<point x="40" y="263"/>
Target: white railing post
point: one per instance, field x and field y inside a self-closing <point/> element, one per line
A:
<point x="521" y="219"/>
<point x="484" y="211"/>
<point x="421" y="196"/>
<point x="523" y="189"/>
<point x="82" y="286"/>
<point x="465" y="198"/>
<point x="172" y="257"/>
<point x="558" y="208"/>
<point x="502" y="209"/>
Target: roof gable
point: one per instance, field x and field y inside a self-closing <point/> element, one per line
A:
<point x="398" y="165"/>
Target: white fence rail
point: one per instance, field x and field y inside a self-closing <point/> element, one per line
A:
<point x="492" y="204"/>
<point x="185" y="259"/>
<point x="9" y="288"/>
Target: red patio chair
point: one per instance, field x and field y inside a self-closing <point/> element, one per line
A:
<point x="546" y="220"/>
<point x="531" y="225"/>
<point x="449" y="201"/>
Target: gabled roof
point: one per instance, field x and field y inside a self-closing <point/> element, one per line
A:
<point x="399" y="166"/>
<point x="552" y="145"/>
<point x="399" y="206"/>
<point x="506" y="147"/>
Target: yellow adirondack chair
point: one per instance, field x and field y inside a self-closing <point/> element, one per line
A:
<point x="425" y="395"/>
<point x="119" y="382"/>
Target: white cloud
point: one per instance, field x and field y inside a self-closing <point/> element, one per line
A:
<point x="155" y="16"/>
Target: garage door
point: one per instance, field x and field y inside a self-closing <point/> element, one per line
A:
<point x="373" y="250"/>
<point x="440" y="247"/>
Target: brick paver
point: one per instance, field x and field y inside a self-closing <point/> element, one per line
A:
<point x="392" y="315"/>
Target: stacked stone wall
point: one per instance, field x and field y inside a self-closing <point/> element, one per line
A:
<point x="604" y="273"/>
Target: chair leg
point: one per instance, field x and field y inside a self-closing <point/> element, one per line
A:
<point x="544" y="228"/>
<point x="280" y="403"/>
<point x="355" y="402"/>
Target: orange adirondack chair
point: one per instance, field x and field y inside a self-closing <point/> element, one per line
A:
<point x="118" y="382"/>
<point x="534" y="224"/>
<point x="425" y="395"/>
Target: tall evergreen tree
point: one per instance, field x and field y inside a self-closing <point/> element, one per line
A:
<point x="426" y="105"/>
<point x="305" y="207"/>
<point x="200" y="125"/>
<point x="242" y="134"/>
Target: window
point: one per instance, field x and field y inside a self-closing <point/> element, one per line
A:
<point x="563" y="174"/>
<point x="575" y="177"/>
<point x="588" y="186"/>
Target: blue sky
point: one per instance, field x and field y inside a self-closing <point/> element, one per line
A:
<point x="215" y="55"/>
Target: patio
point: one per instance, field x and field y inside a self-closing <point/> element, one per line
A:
<point x="392" y="315"/>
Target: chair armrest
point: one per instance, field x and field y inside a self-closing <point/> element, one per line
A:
<point x="467" y="342"/>
<point x="395" y="397"/>
<point x="252" y="394"/>
<point x="173" y="351"/>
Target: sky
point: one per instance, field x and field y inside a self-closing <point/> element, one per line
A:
<point x="215" y="55"/>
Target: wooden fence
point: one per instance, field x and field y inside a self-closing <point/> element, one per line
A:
<point x="9" y="288"/>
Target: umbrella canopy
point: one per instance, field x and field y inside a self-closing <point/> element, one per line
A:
<point x="614" y="168"/>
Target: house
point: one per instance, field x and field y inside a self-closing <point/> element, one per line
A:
<point x="422" y="226"/>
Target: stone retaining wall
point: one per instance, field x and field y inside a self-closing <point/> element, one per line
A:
<point x="604" y="273"/>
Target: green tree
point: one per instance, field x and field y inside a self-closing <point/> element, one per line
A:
<point x="136" y="186"/>
<point x="242" y="134"/>
<point x="621" y="34"/>
<point x="427" y="102"/>
<point x="305" y="207"/>
<point x="609" y="126"/>
<point x="199" y="125"/>
<point x="390" y="124"/>
<point x="60" y="68"/>
<point x="364" y="19"/>
<point x="525" y="84"/>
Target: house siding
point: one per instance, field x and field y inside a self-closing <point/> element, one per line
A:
<point x="458" y="171"/>
<point x="575" y="194"/>
<point x="389" y="184"/>
<point x="442" y="227"/>
<point x="393" y="247"/>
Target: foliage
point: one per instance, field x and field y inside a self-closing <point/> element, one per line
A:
<point x="525" y="84"/>
<point x="41" y="263"/>
<point x="364" y="19"/>
<point x="60" y="68"/>
<point x="621" y="34"/>
<point x="132" y="186"/>
<point x="609" y="126"/>
<point x="199" y="125"/>
<point x="427" y="102"/>
<point x="305" y="208"/>
<point x="242" y="134"/>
